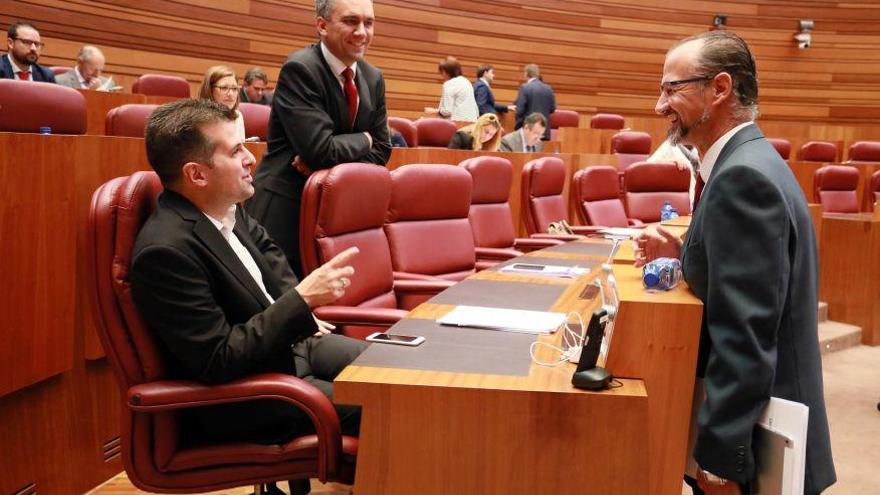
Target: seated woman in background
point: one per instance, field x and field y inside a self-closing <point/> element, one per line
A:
<point x="482" y="135"/>
<point x="457" y="100"/>
<point x="221" y="85"/>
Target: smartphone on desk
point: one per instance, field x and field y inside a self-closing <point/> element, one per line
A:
<point x="528" y="267"/>
<point x="385" y="338"/>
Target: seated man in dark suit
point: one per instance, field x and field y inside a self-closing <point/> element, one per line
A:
<point x="254" y="89"/>
<point x="217" y="290"/>
<point x="23" y="50"/>
<point x="528" y="138"/>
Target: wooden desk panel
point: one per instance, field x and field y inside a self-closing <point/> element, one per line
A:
<point x="580" y="140"/>
<point x="805" y="171"/>
<point x="98" y="103"/>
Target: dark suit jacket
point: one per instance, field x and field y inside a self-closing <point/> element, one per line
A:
<point x="485" y="99"/>
<point x="40" y="73"/>
<point x="213" y="321"/>
<point x="266" y="100"/>
<point x="535" y="96"/>
<point x="310" y="119"/>
<point x="461" y="141"/>
<point x="750" y="256"/>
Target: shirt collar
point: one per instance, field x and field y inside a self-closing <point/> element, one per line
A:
<point x="711" y="155"/>
<point x="336" y="65"/>
<point x="16" y="69"/>
<point x="485" y="81"/>
<point x="79" y="76"/>
<point x="225" y="224"/>
<point x="531" y="79"/>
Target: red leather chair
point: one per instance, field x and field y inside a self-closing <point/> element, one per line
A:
<point x="783" y="147"/>
<point x="834" y="186"/>
<point x="58" y="69"/>
<point x="427" y="222"/>
<point x="490" y="216"/>
<point x="542" y="201"/>
<point x="864" y="151"/>
<point x="407" y="129"/>
<point x="597" y="190"/>
<point x="153" y="456"/>
<point x="161" y="85"/>
<point x="875" y="186"/>
<point x="26" y="106"/>
<point x="817" y="151"/>
<point x="128" y="120"/>
<point x="631" y="147"/>
<point x="345" y="206"/>
<point x="563" y="118"/>
<point x="256" y="119"/>
<point x="607" y="121"/>
<point x="434" y="132"/>
<point x="649" y="185"/>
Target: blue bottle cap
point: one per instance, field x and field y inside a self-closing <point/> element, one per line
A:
<point x="45" y="130"/>
<point x="651" y="279"/>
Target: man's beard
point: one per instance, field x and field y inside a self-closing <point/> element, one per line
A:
<point x="677" y="132"/>
<point x="27" y="60"/>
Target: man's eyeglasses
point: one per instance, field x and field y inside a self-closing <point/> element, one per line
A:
<point x="669" y="88"/>
<point x="227" y="89"/>
<point x="38" y="44"/>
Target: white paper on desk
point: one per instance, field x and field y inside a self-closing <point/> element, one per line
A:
<point x="545" y="270"/>
<point x="781" y="448"/>
<point x="511" y="320"/>
<point x="621" y="232"/>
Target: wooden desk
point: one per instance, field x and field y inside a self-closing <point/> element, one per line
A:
<point x="440" y="432"/>
<point x="850" y="271"/>
<point x="580" y="140"/>
<point x="98" y="103"/>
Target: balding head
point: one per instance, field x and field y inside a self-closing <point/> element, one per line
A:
<point x="90" y="63"/>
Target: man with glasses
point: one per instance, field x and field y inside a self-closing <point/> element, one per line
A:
<point x="255" y="89"/>
<point x="528" y="138"/>
<point x="329" y="108"/>
<point x="23" y="50"/>
<point x="750" y="256"/>
<point x="87" y="72"/>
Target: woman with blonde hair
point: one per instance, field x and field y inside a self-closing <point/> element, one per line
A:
<point x="221" y="85"/>
<point x="482" y="135"/>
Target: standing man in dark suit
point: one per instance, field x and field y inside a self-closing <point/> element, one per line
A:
<point x="534" y="96"/>
<point x="23" y="50"/>
<point x="218" y="292"/>
<point x="483" y="92"/>
<point x="329" y="108"/>
<point x="750" y="256"/>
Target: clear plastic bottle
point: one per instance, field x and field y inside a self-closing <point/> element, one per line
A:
<point x="666" y="211"/>
<point x="662" y="274"/>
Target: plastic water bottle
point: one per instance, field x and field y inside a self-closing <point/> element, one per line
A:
<point x="45" y="130"/>
<point x="666" y="211"/>
<point x="662" y="274"/>
<point x="673" y="213"/>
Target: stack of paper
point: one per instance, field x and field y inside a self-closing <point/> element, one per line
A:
<point x="511" y="320"/>
<point x="557" y="271"/>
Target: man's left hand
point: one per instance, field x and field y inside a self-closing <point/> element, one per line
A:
<point x="301" y="167"/>
<point x="729" y="488"/>
<point x="323" y="327"/>
<point x="94" y="83"/>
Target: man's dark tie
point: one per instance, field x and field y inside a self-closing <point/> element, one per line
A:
<point x="698" y="189"/>
<point x="351" y="94"/>
<point x="24" y="75"/>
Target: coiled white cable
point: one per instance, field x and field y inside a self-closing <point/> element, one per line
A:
<point x="573" y="340"/>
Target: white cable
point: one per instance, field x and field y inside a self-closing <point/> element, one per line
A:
<point x="572" y="339"/>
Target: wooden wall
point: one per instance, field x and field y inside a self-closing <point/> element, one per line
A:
<point x="599" y="55"/>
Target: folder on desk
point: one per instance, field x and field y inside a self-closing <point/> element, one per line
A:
<point x="510" y="320"/>
<point x="780" y="446"/>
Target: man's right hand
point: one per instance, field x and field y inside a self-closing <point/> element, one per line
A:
<point x="300" y="166"/>
<point x="329" y="281"/>
<point x="650" y="245"/>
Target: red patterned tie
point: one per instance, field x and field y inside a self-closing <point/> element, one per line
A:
<point x="698" y="190"/>
<point x="24" y="75"/>
<point x="351" y="94"/>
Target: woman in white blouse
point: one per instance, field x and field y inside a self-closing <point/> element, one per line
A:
<point x="221" y="85"/>
<point x="457" y="101"/>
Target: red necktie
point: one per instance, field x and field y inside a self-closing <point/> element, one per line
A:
<point x="351" y="94"/>
<point x="24" y="75"/>
<point x="698" y="190"/>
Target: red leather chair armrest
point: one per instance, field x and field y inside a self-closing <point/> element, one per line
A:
<point x="559" y="237"/>
<point x="636" y="223"/>
<point x="486" y="264"/>
<point x="527" y="244"/>
<point x="586" y="229"/>
<point x="422" y="286"/>
<point x="352" y="315"/>
<point x="484" y="253"/>
<point x="413" y="276"/>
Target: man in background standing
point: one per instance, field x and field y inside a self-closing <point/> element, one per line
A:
<point x="483" y="92"/>
<point x="534" y="96"/>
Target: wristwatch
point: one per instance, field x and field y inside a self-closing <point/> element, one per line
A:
<point x="713" y="479"/>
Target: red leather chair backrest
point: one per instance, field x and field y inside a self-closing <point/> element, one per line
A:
<point x="58" y="69"/>
<point x="345" y="206"/>
<point x="490" y="215"/>
<point x="817" y="151"/>
<point x="435" y="132"/>
<point x="631" y="147"/>
<point x="26" y="106"/>
<point x="865" y="151"/>
<point x="783" y="147"/>
<point x="427" y="223"/>
<point x="542" y="200"/>
<point x="564" y="118"/>
<point x="161" y="85"/>
<point x="607" y="121"/>
<point x="834" y="187"/>
<point x="648" y="185"/>
<point x="407" y="129"/>
<point x="128" y="120"/>
<point x="875" y="185"/>
<point x="256" y="119"/>
<point x="597" y="190"/>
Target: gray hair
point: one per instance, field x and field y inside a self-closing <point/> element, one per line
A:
<point x="532" y="70"/>
<point x="323" y="7"/>
<point x="87" y="52"/>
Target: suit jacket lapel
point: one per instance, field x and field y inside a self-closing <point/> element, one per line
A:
<point x="365" y="103"/>
<point x="273" y="284"/>
<point x="336" y="93"/>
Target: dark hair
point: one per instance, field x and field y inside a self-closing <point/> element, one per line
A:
<point x="174" y="135"/>
<point x="450" y="66"/>
<point x="532" y="70"/>
<point x="723" y="51"/>
<point x="13" y="28"/>
<point x="254" y="74"/>
<point x="483" y="69"/>
<point x="535" y="118"/>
